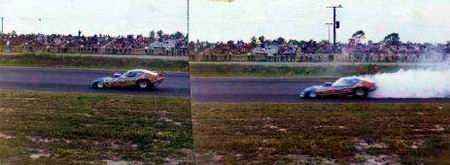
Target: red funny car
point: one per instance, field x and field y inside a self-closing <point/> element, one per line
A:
<point x="347" y="86"/>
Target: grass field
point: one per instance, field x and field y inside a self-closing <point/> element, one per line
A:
<point x="322" y="133"/>
<point x="47" y="128"/>
<point x="91" y="62"/>
<point x="212" y="69"/>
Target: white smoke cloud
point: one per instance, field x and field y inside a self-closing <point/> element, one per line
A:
<point x="414" y="83"/>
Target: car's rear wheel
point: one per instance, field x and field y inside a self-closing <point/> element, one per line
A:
<point x="360" y="93"/>
<point x="144" y="84"/>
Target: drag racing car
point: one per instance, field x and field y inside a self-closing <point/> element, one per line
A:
<point x="346" y="86"/>
<point x="137" y="78"/>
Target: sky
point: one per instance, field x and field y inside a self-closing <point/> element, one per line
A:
<point x="115" y="17"/>
<point x="222" y="20"/>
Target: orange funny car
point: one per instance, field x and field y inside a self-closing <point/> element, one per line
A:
<point x="137" y="78"/>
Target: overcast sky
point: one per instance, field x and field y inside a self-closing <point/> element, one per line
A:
<point x="94" y="16"/>
<point x="415" y="20"/>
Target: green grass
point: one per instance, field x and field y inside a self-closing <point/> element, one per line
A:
<point x="286" y="70"/>
<point x="89" y="129"/>
<point x="49" y="60"/>
<point x="287" y="133"/>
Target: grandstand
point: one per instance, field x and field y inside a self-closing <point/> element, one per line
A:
<point x="159" y="44"/>
<point x="258" y="49"/>
<point x="280" y="50"/>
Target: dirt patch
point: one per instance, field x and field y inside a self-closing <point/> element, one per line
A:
<point x="6" y="137"/>
<point x="365" y="159"/>
<point x="39" y="153"/>
<point x="122" y="162"/>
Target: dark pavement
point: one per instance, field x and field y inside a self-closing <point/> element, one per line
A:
<point x="76" y="80"/>
<point x="273" y="90"/>
<point x="226" y="90"/>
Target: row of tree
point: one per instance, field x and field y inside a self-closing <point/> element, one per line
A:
<point x="390" y="39"/>
<point x="160" y="33"/>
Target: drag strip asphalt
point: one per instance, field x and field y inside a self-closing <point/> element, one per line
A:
<point x="222" y="90"/>
<point x="273" y="90"/>
<point x="78" y="80"/>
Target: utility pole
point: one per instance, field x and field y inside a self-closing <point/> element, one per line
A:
<point x="3" y="19"/>
<point x="188" y="18"/>
<point x="336" y="24"/>
<point x="188" y="10"/>
<point x="328" y="24"/>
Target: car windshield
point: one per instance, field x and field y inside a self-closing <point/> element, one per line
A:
<point x="132" y="74"/>
<point x="343" y="82"/>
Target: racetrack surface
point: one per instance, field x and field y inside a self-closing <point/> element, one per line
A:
<point x="273" y="90"/>
<point x="77" y="80"/>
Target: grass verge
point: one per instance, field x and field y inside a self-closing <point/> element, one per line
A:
<point x="206" y="69"/>
<point x="92" y="62"/>
<point x="322" y="133"/>
<point x="50" y="128"/>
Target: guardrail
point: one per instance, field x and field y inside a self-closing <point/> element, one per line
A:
<point x="342" y="57"/>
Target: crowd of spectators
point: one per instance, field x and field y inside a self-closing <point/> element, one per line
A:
<point x="280" y="49"/>
<point x="313" y="51"/>
<point x="155" y="43"/>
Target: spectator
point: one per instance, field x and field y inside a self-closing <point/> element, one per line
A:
<point x="129" y="44"/>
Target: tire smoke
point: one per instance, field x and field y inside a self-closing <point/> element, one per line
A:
<point x="414" y="83"/>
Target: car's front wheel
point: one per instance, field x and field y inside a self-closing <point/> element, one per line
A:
<point x="360" y="93"/>
<point x="144" y="84"/>
<point x="98" y="85"/>
<point x="311" y="95"/>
